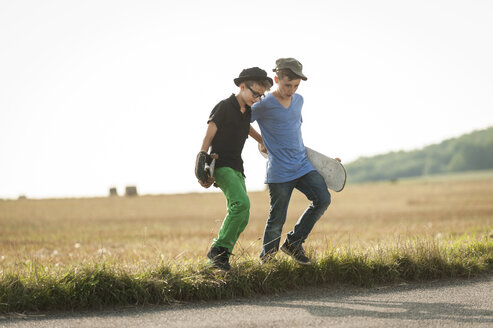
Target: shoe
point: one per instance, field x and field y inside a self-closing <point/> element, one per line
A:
<point x="219" y="257"/>
<point x="296" y="252"/>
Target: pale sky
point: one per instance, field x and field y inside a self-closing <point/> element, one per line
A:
<point x="95" y="94"/>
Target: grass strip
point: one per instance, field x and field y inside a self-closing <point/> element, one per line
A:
<point x="102" y="285"/>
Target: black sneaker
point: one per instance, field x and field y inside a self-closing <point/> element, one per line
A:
<point x="219" y="257"/>
<point x="296" y="252"/>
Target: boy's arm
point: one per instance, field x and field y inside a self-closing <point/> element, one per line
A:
<point x="209" y="135"/>
<point x="255" y="135"/>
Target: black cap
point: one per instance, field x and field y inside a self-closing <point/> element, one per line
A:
<point x="252" y="74"/>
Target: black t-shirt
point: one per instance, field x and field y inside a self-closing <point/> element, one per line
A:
<point x="233" y="127"/>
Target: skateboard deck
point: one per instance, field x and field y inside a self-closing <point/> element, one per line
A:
<point x="204" y="166"/>
<point x="331" y="170"/>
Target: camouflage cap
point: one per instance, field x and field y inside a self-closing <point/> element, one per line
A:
<point x="292" y="64"/>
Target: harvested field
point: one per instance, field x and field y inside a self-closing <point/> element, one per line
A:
<point x="149" y="229"/>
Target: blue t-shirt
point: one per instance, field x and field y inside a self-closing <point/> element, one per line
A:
<point x="281" y="133"/>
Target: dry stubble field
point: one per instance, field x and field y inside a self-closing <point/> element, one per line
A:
<point x="146" y="230"/>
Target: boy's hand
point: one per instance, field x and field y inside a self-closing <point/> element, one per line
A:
<point x="338" y="159"/>
<point x="262" y="148"/>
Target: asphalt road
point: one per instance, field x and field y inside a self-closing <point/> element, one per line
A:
<point x="457" y="303"/>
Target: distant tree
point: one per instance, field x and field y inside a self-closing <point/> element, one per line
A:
<point x="469" y="152"/>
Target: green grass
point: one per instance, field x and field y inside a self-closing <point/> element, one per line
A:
<point x="105" y="284"/>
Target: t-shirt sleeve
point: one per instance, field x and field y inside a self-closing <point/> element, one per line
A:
<point x="256" y="111"/>
<point x="218" y="115"/>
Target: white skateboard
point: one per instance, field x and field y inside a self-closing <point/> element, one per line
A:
<point x="331" y="170"/>
<point x="212" y="165"/>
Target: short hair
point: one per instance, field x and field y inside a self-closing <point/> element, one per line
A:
<point x="265" y="84"/>
<point x="281" y="73"/>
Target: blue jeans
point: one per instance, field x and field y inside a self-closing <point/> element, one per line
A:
<point x="313" y="186"/>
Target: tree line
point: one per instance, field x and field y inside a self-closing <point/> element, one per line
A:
<point x="469" y="152"/>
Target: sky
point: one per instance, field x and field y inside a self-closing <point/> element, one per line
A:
<point x="100" y="94"/>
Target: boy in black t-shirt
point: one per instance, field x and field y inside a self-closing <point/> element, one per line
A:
<point x="228" y="128"/>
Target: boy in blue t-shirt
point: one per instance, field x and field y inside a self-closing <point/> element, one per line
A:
<point x="279" y="118"/>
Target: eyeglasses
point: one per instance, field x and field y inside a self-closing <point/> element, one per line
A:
<point x="255" y="94"/>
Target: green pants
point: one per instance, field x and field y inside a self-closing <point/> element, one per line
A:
<point x="232" y="183"/>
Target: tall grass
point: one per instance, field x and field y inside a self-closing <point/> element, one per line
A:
<point x="105" y="284"/>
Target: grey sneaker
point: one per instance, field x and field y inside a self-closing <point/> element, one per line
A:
<point x="296" y="252"/>
<point x="219" y="257"/>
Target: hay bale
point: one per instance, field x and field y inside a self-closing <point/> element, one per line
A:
<point x="130" y="191"/>
<point x="22" y="197"/>
<point x="113" y="192"/>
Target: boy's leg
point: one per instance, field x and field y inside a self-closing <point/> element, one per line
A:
<point x="242" y="225"/>
<point x="232" y="183"/>
<point x="280" y="194"/>
<point x="315" y="189"/>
